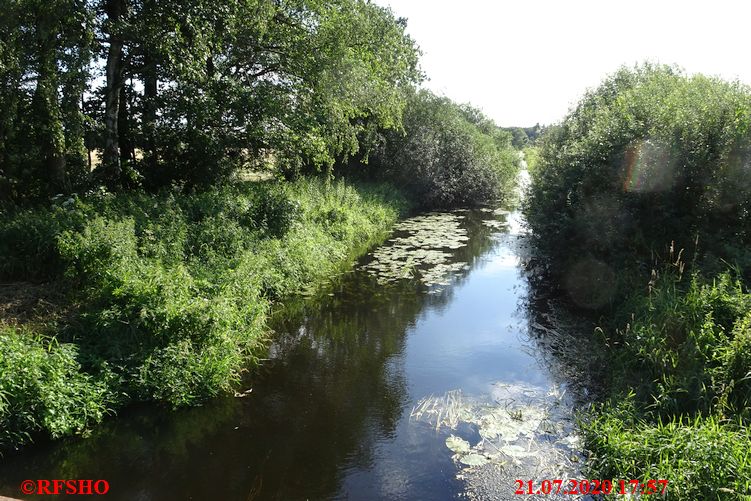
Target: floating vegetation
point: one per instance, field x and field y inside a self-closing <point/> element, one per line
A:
<point x="474" y="459"/>
<point x="494" y="224"/>
<point x="521" y="428"/>
<point x="457" y="445"/>
<point x="421" y="249"/>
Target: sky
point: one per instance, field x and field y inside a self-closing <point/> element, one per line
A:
<point x="525" y="62"/>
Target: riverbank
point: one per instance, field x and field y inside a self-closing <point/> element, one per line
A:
<point x="640" y="206"/>
<point x="161" y="297"/>
<point x="426" y="371"/>
<point x="677" y="400"/>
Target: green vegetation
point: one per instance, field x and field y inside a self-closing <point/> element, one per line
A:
<point x="524" y="136"/>
<point x="191" y="91"/>
<point x="172" y="290"/>
<point x="702" y="458"/>
<point x="532" y="157"/>
<point x="649" y="157"/>
<point x="447" y="155"/>
<point x="48" y="391"/>
<point x="679" y="401"/>
<point x="127" y="128"/>
<point x="640" y="200"/>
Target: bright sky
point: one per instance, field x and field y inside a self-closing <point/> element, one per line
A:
<point x="524" y="62"/>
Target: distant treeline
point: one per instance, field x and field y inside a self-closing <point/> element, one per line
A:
<point x="522" y="137"/>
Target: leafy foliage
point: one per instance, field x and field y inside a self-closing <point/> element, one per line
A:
<point x="650" y="156"/>
<point x="49" y="393"/>
<point x="193" y="90"/>
<point x="174" y="289"/>
<point x="447" y="155"/>
<point x="531" y="157"/>
<point x="654" y="160"/>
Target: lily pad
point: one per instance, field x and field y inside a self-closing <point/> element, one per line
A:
<point x="474" y="459"/>
<point x="457" y="445"/>
<point x="421" y="249"/>
<point x="521" y="425"/>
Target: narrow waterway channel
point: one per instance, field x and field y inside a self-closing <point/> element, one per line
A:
<point x="423" y="373"/>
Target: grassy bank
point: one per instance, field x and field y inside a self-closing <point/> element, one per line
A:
<point x="164" y="296"/>
<point x="678" y="387"/>
<point x="640" y="202"/>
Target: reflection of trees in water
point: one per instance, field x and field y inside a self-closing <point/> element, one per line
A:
<point x="142" y="450"/>
<point x="333" y="387"/>
<point x="564" y="339"/>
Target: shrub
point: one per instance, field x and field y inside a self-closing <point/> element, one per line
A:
<point x="447" y="155"/>
<point x="648" y="157"/>
<point x="173" y="289"/>
<point x="43" y="390"/>
<point x="531" y="157"/>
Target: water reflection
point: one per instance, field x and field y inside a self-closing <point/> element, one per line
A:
<point x="329" y="414"/>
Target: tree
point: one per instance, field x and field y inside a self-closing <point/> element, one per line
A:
<point x="447" y="155"/>
<point x="116" y="12"/>
<point x="201" y="87"/>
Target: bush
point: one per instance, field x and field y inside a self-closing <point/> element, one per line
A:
<point x="27" y="239"/>
<point x="531" y="157"/>
<point x="43" y="389"/>
<point x="648" y="157"/>
<point x="447" y="155"/>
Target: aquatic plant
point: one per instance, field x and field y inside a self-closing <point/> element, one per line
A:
<point x="521" y="428"/>
<point x="421" y="248"/>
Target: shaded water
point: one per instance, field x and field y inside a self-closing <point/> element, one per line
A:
<point x="360" y="393"/>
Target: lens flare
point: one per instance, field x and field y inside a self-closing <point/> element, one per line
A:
<point x="648" y="167"/>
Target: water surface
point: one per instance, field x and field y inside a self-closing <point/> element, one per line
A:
<point x="360" y="392"/>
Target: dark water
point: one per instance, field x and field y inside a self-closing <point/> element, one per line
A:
<point x="329" y="414"/>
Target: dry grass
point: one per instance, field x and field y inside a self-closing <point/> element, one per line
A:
<point x="33" y="305"/>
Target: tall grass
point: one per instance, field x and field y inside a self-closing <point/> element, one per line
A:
<point x="678" y="403"/>
<point x="703" y="458"/>
<point x="173" y="289"/>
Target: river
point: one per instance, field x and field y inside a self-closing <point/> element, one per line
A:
<point x="427" y="371"/>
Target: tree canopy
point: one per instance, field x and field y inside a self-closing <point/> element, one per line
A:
<point x="190" y="91"/>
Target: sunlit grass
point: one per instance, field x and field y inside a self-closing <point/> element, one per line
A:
<point x="702" y="457"/>
<point x="172" y="289"/>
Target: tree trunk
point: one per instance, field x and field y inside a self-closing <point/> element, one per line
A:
<point x="127" y="150"/>
<point x="114" y="71"/>
<point x="51" y="132"/>
<point x="149" y="109"/>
